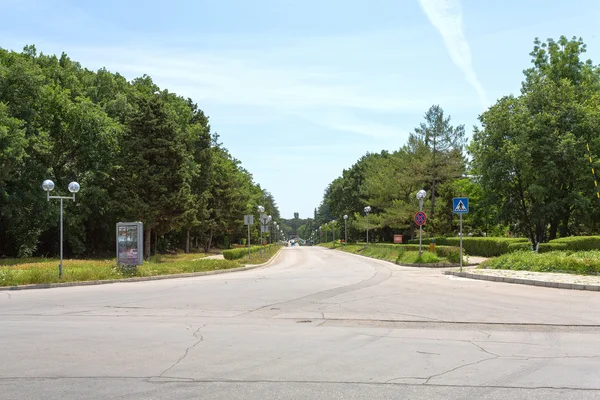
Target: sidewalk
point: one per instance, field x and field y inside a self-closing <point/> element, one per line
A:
<point x="544" y="279"/>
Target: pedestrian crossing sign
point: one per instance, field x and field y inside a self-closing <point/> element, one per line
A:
<point x="460" y="205"/>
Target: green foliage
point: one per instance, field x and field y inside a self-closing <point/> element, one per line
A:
<point x="480" y="246"/>
<point x="583" y="262"/>
<point x="578" y="243"/>
<point x="413" y="257"/>
<point x="139" y="153"/>
<point x="519" y="246"/>
<point x="236" y="254"/>
<point x="449" y="252"/>
<point x="546" y="129"/>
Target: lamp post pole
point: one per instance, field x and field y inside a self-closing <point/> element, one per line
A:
<point x="367" y="211"/>
<point x="261" y="210"/>
<point x="345" y="229"/>
<point x="421" y="196"/>
<point x="74" y="187"/>
<point x="333" y="232"/>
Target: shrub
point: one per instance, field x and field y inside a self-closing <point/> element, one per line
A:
<point x="582" y="262"/>
<point x="480" y="246"/>
<point x="578" y="243"/>
<point x="236" y="254"/>
<point x="520" y="246"/>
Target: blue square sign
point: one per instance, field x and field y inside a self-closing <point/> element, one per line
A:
<point x="460" y="205"/>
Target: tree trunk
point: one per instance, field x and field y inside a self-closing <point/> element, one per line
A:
<point x="553" y="229"/>
<point x="147" y="242"/>
<point x="187" y="242"/>
<point x="155" y="241"/>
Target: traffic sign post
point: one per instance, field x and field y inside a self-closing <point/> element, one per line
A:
<point x="248" y="220"/>
<point x="420" y="219"/>
<point x="460" y="206"/>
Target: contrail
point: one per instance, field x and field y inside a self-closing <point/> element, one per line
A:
<point x="446" y="17"/>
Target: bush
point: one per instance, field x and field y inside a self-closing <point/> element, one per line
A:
<point x="519" y="247"/>
<point x="548" y="247"/>
<point x="480" y="246"/>
<point x="582" y="262"/>
<point x="578" y="243"/>
<point x="451" y="253"/>
<point x="236" y="254"/>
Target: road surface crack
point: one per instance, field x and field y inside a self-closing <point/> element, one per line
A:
<point x="457" y="368"/>
<point x="8" y="294"/>
<point x="484" y="350"/>
<point x="198" y="336"/>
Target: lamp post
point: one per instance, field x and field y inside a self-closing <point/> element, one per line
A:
<point x="74" y="187"/>
<point x="421" y="196"/>
<point x="333" y="232"/>
<point x="345" y="229"/>
<point x="367" y="210"/>
<point x="261" y="210"/>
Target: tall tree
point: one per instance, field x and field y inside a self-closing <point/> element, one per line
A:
<point x="445" y="143"/>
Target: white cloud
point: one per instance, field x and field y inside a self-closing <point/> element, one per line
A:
<point x="446" y="17"/>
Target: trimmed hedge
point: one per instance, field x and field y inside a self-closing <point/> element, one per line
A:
<point x="577" y="243"/>
<point x="478" y="246"/>
<point x="236" y="254"/>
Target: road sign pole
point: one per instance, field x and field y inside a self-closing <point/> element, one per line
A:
<point x="261" y="243"/>
<point x="461" y="250"/>
<point x="420" y="230"/>
<point x="248" y="240"/>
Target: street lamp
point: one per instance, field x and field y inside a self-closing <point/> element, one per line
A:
<point x="367" y="210"/>
<point x="74" y="187"/>
<point x="421" y="196"/>
<point x="345" y="229"/>
<point x="261" y="210"/>
<point x="333" y="231"/>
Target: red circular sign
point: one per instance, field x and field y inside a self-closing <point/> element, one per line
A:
<point x="420" y="218"/>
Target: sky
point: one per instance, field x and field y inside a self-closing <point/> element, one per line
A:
<point x="299" y="90"/>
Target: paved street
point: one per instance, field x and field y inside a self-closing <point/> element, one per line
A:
<point x="316" y="324"/>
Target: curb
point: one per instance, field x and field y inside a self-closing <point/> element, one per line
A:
<point x="140" y="279"/>
<point x="530" y="282"/>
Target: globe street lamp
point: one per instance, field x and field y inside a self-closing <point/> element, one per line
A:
<point x="345" y="229"/>
<point x="367" y="210"/>
<point x="333" y="232"/>
<point x="74" y="187"/>
<point x="261" y="210"/>
<point x="421" y="196"/>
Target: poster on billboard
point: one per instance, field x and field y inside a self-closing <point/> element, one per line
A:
<point x="130" y="239"/>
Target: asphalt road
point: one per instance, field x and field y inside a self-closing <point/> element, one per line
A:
<point x="316" y="324"/>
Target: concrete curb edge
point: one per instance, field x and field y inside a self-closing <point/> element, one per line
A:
<point x="142" y="278"/>
<point x="531" y="282"/>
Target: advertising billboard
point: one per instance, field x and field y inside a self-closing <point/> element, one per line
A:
<point x="130" y="239"/>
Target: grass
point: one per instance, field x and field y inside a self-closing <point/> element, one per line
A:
<point x="15" y="272"/>
<point x="391" y="253"/>
<point x="580" y="262"/>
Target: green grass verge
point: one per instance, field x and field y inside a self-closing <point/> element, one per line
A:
<point x="581" y="262"/>
<point x="15" y="272"/>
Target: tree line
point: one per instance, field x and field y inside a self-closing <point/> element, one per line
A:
<point x="139" y="153"/>
<point x="529" y="169"/>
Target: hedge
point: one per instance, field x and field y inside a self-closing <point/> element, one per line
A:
<point x="478" y="246"/>
<point x="236" y="254"/>
<point x="577" y="243"/>
<point x="452" y="253"/>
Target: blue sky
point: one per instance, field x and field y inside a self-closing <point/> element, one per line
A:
<point x="300" y="89"/>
